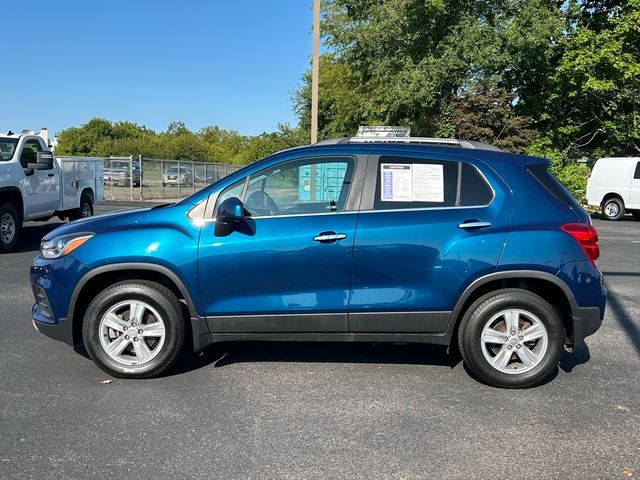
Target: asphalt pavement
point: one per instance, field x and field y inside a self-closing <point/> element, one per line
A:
<point x="321" y="410"/>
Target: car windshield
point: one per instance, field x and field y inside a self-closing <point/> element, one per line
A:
<point x="180" y="170"/>
<point x="7" y="148"/>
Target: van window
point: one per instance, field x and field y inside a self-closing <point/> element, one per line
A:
<point x="636" y="175"/>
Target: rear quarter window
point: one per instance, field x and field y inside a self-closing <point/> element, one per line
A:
<point x="551" y="184"/>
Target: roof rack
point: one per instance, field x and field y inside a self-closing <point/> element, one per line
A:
<point x="450" y="142"/>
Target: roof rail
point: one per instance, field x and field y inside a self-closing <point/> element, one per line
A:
<point x="450" y="142"/>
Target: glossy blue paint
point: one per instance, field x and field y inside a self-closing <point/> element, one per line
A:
<point x="389" y="261"/>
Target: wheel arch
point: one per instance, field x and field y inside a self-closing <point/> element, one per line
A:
<point x="99" y="278"/>
<point x="611" y="195"/>
<point x="548" y="286"/>
<point x="13" y="195"/>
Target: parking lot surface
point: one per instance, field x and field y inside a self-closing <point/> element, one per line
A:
<point x="321" y="410"/>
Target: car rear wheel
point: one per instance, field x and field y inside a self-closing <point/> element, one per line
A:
<point x="9" y="227"/>
<point x="511" y="338"/>
<point x="134" y="329"/>
<point x="613" y="209"/>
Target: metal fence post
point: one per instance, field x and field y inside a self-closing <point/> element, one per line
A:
<point x="130" y="178"/>
<point x="140" y="177"/>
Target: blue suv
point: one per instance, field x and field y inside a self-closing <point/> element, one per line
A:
<point x="438" y="241"/>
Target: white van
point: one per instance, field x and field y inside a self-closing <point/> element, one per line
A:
<point x="614" y="186"/>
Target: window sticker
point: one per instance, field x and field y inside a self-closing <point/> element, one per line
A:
<point x="428" y="183"/>
<point x="397" y="184"/>
<point x="413" y="182"/>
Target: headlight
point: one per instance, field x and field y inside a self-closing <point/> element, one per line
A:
<point x="63" y="245"/>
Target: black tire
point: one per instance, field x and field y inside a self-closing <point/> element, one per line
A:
<point x="154" y="295"/>
<point x="483" y="311"/>
<point x="85" y="209"/>
<point x="612" y="209"/>
<point x="9" y="227"/>
<point x="636" y="214"/>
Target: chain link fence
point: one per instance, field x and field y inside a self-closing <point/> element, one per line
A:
<point x="129" y="178"/>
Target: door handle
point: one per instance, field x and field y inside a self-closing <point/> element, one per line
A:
<point x="473" y="224"/>
<point x="329" y="237"/>
<point x="51" y="175"/>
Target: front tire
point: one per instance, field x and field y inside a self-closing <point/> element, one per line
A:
<point x="613" y="209"/>
<point x="134" y="329"/>
<point x="9" y="227"/>
<point x="511" y="338"/>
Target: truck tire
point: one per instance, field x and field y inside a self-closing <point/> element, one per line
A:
<point x="9" y="227"/>
<point x="85" y="209"/>
<point x="613" y="209"/>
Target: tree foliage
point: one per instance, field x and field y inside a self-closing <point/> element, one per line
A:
<point x="100" y="137"/>
<point x="566" y="71"/>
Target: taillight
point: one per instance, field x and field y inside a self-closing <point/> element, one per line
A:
<point x="586" y="236"/>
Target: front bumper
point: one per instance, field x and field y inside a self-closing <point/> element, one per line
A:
<point x="53" y="282"/>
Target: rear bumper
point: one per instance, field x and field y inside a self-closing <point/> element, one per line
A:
<point x="586" y="321"/>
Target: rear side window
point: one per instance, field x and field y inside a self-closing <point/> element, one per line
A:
<point x="636" y="175"/>
<point x="420" y="183"/>
<point x="551" y="184"/>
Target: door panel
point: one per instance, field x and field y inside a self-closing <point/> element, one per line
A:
<point x="280" y="273"/>
<point x="412" y="264"/>
<point x="634" y="191"/>
<point x="287" y="266"/>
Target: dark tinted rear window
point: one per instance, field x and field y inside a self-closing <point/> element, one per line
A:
<point x="474" y="189"/>
<point x="637" y="172"/>
<point x="551" y="184"/>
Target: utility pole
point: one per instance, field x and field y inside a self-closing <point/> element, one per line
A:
<point x="314" y="71"/>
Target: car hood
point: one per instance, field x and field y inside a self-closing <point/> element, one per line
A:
<point x="100" y="223"/>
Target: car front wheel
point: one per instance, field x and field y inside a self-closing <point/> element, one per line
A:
<point x="134" y="329"/>
<point x="511" y="338"/>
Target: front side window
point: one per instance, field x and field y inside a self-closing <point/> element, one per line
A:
<point x="636" y="175"/>
<point x="295" y="188"/>
<point x="421" y="183"/>
<point x="29" y="153"/>
<point x="7" y="148"/>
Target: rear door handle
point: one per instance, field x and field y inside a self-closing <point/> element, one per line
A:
<point x="473" y="225"/>
<point x="51" y="175"/>
<point x="329" y="237"/>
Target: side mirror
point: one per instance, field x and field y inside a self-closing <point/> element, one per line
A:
<point x="46" y="159"/>
<point x="229" y="217"/>
<point x="29" y="171"/>
<point x="230" y="211"/>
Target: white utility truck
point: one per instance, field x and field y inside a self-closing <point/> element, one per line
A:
<point x="36" y="186"/>
<point x="614" y="186"/>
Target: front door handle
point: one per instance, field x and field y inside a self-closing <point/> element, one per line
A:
<point x="329" y="237"/>
<point x="473" y="224"/>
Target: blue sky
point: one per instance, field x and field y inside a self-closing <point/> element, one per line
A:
<point x="227" y="63"/>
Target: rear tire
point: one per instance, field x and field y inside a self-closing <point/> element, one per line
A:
<point x="613" y="209"/>
<point x="511" y="338"/>
<point x="9" y="227"/>
<point x="85" y="209"/>
<point x="134" y="329"/>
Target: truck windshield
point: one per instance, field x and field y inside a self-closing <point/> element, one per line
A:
<point x="7" y="147"/>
